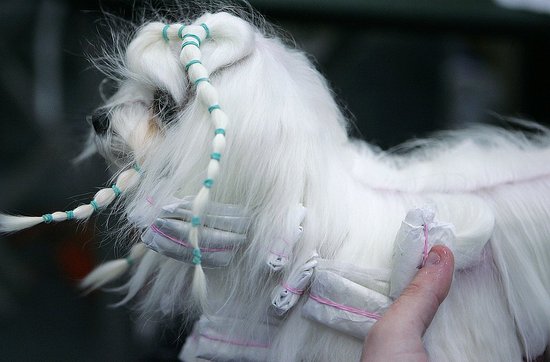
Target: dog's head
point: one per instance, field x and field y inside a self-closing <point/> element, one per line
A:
<point x="218" y="109"/>
<point x="276" y="105"/>
<point x="279" y="121"/>
<point x="154" y="93"/>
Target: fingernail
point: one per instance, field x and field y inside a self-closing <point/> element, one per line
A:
<point x="433" y="258"/>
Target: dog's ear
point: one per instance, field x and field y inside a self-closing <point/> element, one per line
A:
<point x="154" y="61"/>
<point x="231" y="39"/>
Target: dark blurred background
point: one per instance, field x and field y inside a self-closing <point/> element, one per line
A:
<point x="400" y="68"/>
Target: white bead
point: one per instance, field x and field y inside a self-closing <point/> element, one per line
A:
<point x="104" y="197"/>
<point x="197" y="71"/>
<point x="194" y="237"/>
<point x="207" y="94"/>
<point x="201" y="200"/>
<point x="213" y="169"/>
<point x="220" y="119"/>
<point x="188" y="53"/>
<point x="127" y="179"/>
<point x="83" y="211"/>
<point x="218" y="144"/>
<point x="59" y="216"/>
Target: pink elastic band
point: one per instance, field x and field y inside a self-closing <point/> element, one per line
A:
<point x="285" y="241"/>
<point x="278" y="254"/>
<point x="345" y="307"/>
<point x="425" y="251"/>
<point x="292" y="290"/>
<point x="150" y="200"/>
<point x="235" y="342"/>
<point x="156" y="230"/>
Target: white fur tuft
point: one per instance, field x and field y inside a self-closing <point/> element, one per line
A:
<point x="11" y="223"/>
<point x="104" y="274"/>
<point x="112" y="270"/>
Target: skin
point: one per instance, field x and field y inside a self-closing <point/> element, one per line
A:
<point x="397" y="336"/>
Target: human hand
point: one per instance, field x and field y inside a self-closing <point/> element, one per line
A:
<point x="397" y="336"/>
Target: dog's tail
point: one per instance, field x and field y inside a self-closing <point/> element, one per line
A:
<point x="103" y="198"/>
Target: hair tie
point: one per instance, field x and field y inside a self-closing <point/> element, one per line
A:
<point x="116" y="190"/>
<point x="194" y="61"/>
<point x="94" y="204"/>
<point x="206" y="30"/>
<point x="165" y="33"/>
<point x="203" y="79"/>
<point x="189" y="43"/>
<point x="180" y="32"/>
<point x="200" y="203"/>
<point x="129" y="260"/>
<point x="212" y="107"/>
<point x="197" y="256"/>
<point x="193" y="36"/>
<point x="48" y="218"/>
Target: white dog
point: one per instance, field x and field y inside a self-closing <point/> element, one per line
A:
<point x="288" y="250"/>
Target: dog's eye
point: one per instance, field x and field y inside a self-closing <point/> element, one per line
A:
<point x="164" y="107"/>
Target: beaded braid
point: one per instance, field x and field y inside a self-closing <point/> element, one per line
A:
<point x="104" y="197"/>
<point x="192" y="37"/>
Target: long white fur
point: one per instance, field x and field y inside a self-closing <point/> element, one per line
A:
<point x="289" y="145"/>
<point x="103" y="198"/>
<point x="112" y="270"/>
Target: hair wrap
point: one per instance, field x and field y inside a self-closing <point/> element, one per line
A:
<point x="165" y="33"/>
<point x="103" y="198"/>
<point x="198" y="75"/>
<point x="206" y="30"/>
<point x="180" y="32"/>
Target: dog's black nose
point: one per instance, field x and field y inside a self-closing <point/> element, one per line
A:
<point x="100" y="122"/>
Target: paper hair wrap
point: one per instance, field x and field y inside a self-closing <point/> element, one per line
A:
<point x="346" y="297"/>
<point x="350" y="299"/>
<point x="223" y="232"/>
<point x="285" y="296"/>
<point x="213" y="338"/>
<point x="281" y="248"/>
<point x="125" y="181"/>
<point x="418" y="233"/>
<point x="228" y="217"/>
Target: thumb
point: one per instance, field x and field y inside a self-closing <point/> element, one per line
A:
<point x="417" y="305"/>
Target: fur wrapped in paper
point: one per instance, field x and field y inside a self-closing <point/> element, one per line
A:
<point x="347" y="298"/>
<point x="219" y="107"/>
<point x="418" y="233"/>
